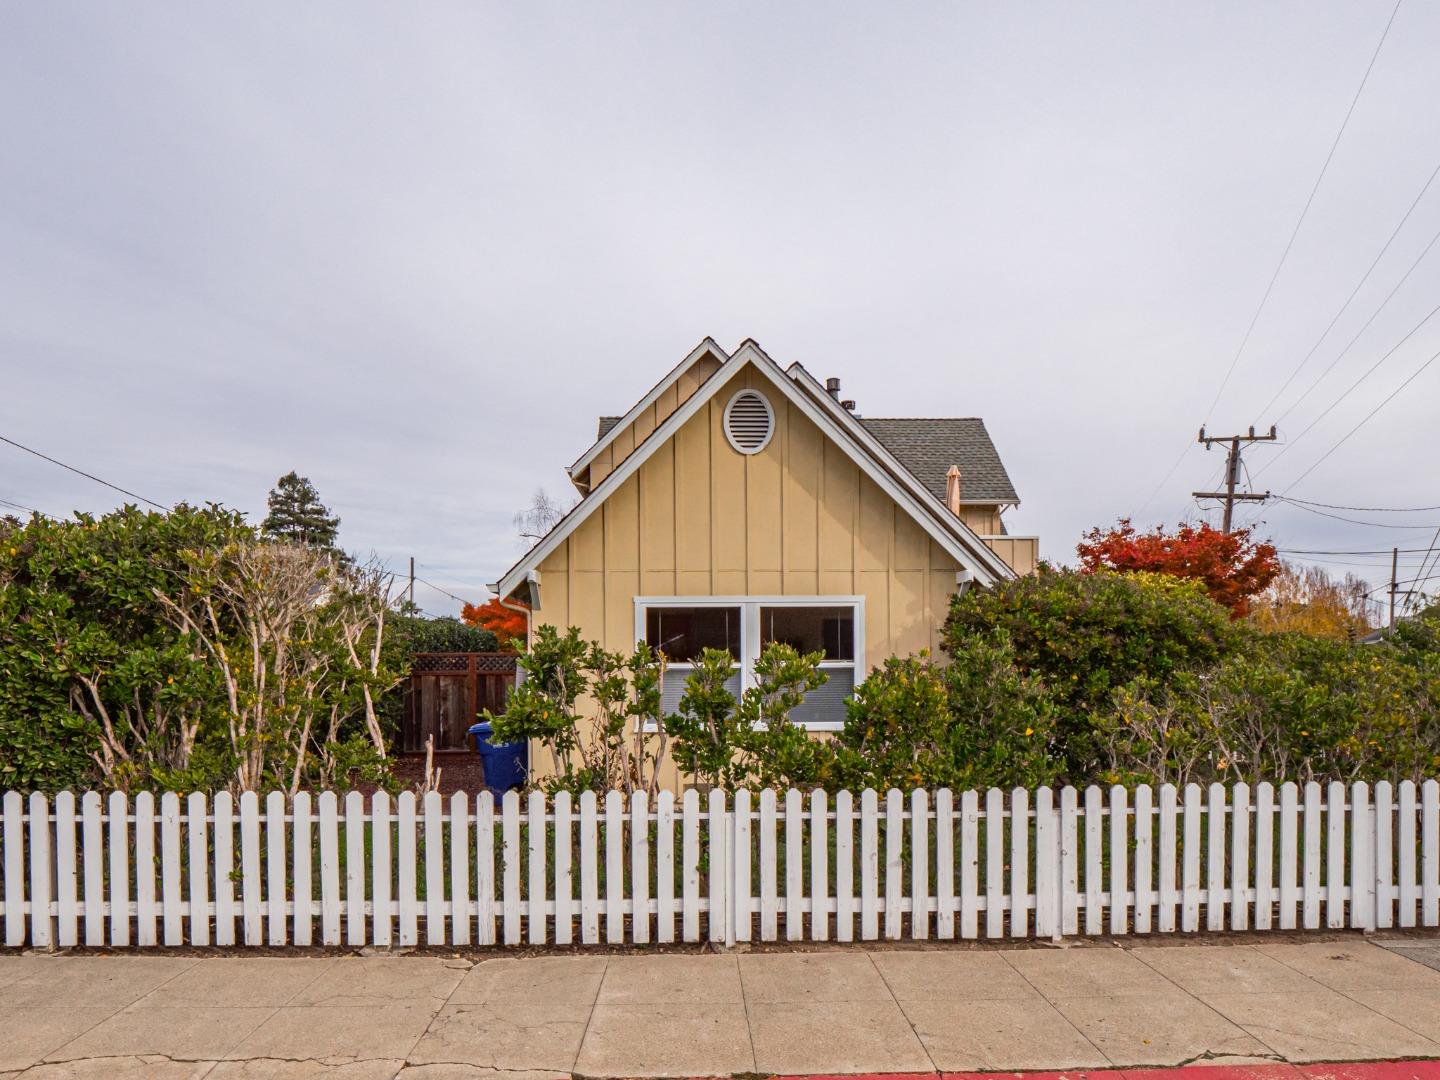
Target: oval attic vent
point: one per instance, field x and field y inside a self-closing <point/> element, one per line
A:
<point x="749" y="422"/>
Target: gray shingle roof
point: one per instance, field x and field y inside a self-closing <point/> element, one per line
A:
<point x="929" y="446"/>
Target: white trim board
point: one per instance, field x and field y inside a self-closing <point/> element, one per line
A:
<point x="708" y="345"/>
<point x="956" y="538"/>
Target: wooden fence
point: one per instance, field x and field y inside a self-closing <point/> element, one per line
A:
<point x="112" y="871"/>
<point x="445" y="695"/>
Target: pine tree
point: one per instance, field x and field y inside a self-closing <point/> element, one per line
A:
<point x="297" y="514"/>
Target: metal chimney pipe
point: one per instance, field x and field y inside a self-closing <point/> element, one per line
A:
<point x="832" y="386"/>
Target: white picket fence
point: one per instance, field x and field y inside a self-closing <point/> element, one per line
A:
<point x="802" y="866"/>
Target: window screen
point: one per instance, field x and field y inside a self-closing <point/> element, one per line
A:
<point x="828" y="630"/>
<point x="681" y="633"/>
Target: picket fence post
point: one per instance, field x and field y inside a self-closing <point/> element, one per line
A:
<point x="1047" y="866"/>
<point x="199" y="856"/>
<point x="93" y="833"/>
<point x="40" y="871"/>
<point x="302" y="918"/>
<point x="720" y="846"/>
<point x="845" y="866"/>
<point x="535" y="891"/>
<point x="819" y="866"/>
<point x="1019" y="863"/>
<point x="564" y="880"/>
<point x="276" y="868"/>
<point x="1430" y="859"/>
<point x="665" y="867"/>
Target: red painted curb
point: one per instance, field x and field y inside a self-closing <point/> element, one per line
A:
<point x="1357" y="1070"/>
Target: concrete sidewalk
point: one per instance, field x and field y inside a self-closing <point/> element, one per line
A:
<point x="837" y="1011"/>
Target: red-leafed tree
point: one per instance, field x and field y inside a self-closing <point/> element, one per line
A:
<point x="1233" y="566"/>
<point x="505" y="623"/>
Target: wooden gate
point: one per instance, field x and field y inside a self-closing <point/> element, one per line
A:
<point x="446" y="694"/>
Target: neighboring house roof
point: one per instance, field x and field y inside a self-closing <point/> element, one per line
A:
<point x="927" y="509"/>
<point x="607" y="425"/>
<point x="928" y="447"/>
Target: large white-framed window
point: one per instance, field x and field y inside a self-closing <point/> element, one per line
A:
<point x="681" y="626"/>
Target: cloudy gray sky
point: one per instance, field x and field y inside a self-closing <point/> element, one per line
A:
<point x="412" y="250"/>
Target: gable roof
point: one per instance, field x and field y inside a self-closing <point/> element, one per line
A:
<point x="928" y="447"/>
<point x="956" y="538"/>
<point x="608" y="431"/>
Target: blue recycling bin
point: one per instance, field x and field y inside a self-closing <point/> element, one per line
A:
<point x="506" y="764"/>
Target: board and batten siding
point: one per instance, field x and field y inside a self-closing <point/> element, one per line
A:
<point x="799" y="518"/>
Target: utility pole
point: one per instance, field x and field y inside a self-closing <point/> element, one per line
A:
<point x="1394" y="585"/>
<point x="1232" y="471"/>
<point x="412" y="581"/>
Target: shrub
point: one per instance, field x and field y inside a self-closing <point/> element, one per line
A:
<point x="622" y="746"/>
<point x="778" y="751"/>
<point x="95" y="680"/>
<point x="179" y="650"/>
<point x="707" y="728"/>
<point x="1083" y="635"/>
<point x="976" y="722"/>
<point x="1292" y="707"/>
<point x="410" y="634"/>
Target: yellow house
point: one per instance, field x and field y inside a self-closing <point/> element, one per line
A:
<point x="739" y="502"/>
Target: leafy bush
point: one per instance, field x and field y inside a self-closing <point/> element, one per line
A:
<point x="179" y="650"/>
<point x="1083" y="635"/>
<point x="86" y="646"/>
<point x="976" y="722"/>
<point x="612" y="748"/>
<point x="1291" y="707"/>
<point x="621" y="738"/>
<point x="410" y="634"/>
<point x="708" y="727"/>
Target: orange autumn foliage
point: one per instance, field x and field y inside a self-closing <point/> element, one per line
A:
<point x="1307" y="600"/>
<point x="1233" y="566"/>
<point x="506" y="624"/>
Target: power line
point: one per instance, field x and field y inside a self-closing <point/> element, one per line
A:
<point x="82" y="472"/>
<point x="431" y="584"/>
<point x="1351" y="389"/>
<point x="29" y="510"/>
<point x="1338" y="551"/>
<point x="1284" y="255"/>
<point x="1434" y="541"/>
<point x="1353" y="521"/>
<point x="1367" y="509"/>
<point x="443" y="592"/>
<point x="1269" y="288"/>
<point x="1314" y="385"/>
<point x="1368" y="416"/>
<point x="1354" y="293"/>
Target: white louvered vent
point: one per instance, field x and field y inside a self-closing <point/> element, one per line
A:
<point x="749" y="422"/>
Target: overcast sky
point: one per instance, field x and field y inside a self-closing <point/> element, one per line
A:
<point x="412" y="250"/>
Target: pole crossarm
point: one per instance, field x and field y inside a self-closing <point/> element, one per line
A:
<point x="1232" y="470"/>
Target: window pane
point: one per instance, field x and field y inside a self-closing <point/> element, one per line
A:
<point x="830" y="630"/>
<point x="673" y="688"/>
<point x="827" y="703"/>
<point x="681" y="633"/>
